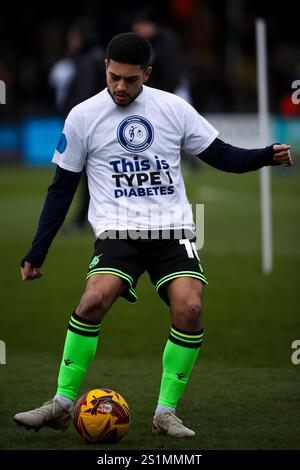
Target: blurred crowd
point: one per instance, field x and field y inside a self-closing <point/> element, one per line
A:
<point x="51" y="55"/>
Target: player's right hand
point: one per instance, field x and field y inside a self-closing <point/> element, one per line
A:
<point x="29" y="273"/>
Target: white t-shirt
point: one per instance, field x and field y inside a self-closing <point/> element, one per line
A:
<point x="132" y="158"/>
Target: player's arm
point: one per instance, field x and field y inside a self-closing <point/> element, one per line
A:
<point x="58" y="200"/>
<point x="226" y="157"/>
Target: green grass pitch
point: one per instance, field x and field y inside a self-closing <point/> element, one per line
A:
<point x="244" y="390"/>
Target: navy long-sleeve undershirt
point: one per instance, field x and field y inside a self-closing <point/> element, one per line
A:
<point x="226" y="157"/>
<point x="59" y="197"/>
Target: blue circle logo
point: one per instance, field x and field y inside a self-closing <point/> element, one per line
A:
<point x="135" y="134"/>
<point x="62" y="144"/>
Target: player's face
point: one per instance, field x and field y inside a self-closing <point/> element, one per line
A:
<point x="124" y="81"/>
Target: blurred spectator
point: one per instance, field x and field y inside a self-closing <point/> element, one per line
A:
<point x="167" y="50"/>
<point x="81" y="74"/>
<point x="169" y="71"/>
<point x="219" y="51"/>
<point x="77" y="77"/>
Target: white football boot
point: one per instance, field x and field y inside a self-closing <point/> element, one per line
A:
<point x="167" y="422"/>
<point x="50" y="414"/>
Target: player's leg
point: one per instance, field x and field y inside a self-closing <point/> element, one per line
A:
<point x="176" y="271"/>
<point x="185" y="298"/>
<point x="181" y="351"/>
<point x="79" y="350"/>
<point x="83" y="331"/>
<point x="113" y="271"/>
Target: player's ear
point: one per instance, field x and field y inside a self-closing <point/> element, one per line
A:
<point x="106" y="63"/>
<point x="147" y="72"/>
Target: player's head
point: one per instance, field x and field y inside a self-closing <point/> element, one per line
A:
<point x="128" y="58"/>
<point x="129" y="48"/>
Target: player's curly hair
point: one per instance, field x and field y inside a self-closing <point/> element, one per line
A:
<point x="129" y="48"/>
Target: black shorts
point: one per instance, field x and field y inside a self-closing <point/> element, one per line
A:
<point x="164" y="260"/>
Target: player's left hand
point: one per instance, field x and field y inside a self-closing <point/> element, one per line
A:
<point x="282" y="155"/>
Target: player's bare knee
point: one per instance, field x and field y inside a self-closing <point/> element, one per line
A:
<point x="188" y="316"/>
<point x="192" y="311"/>
<point x="93" y="305"/>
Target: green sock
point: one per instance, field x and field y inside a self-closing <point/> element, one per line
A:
<point x="80" y="348"/>
<point x="179" y="357"/>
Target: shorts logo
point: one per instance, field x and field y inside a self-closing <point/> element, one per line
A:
<point x="94" y="261"/>
<point x="135" y="134"/>
<point x="62" y="144"/>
